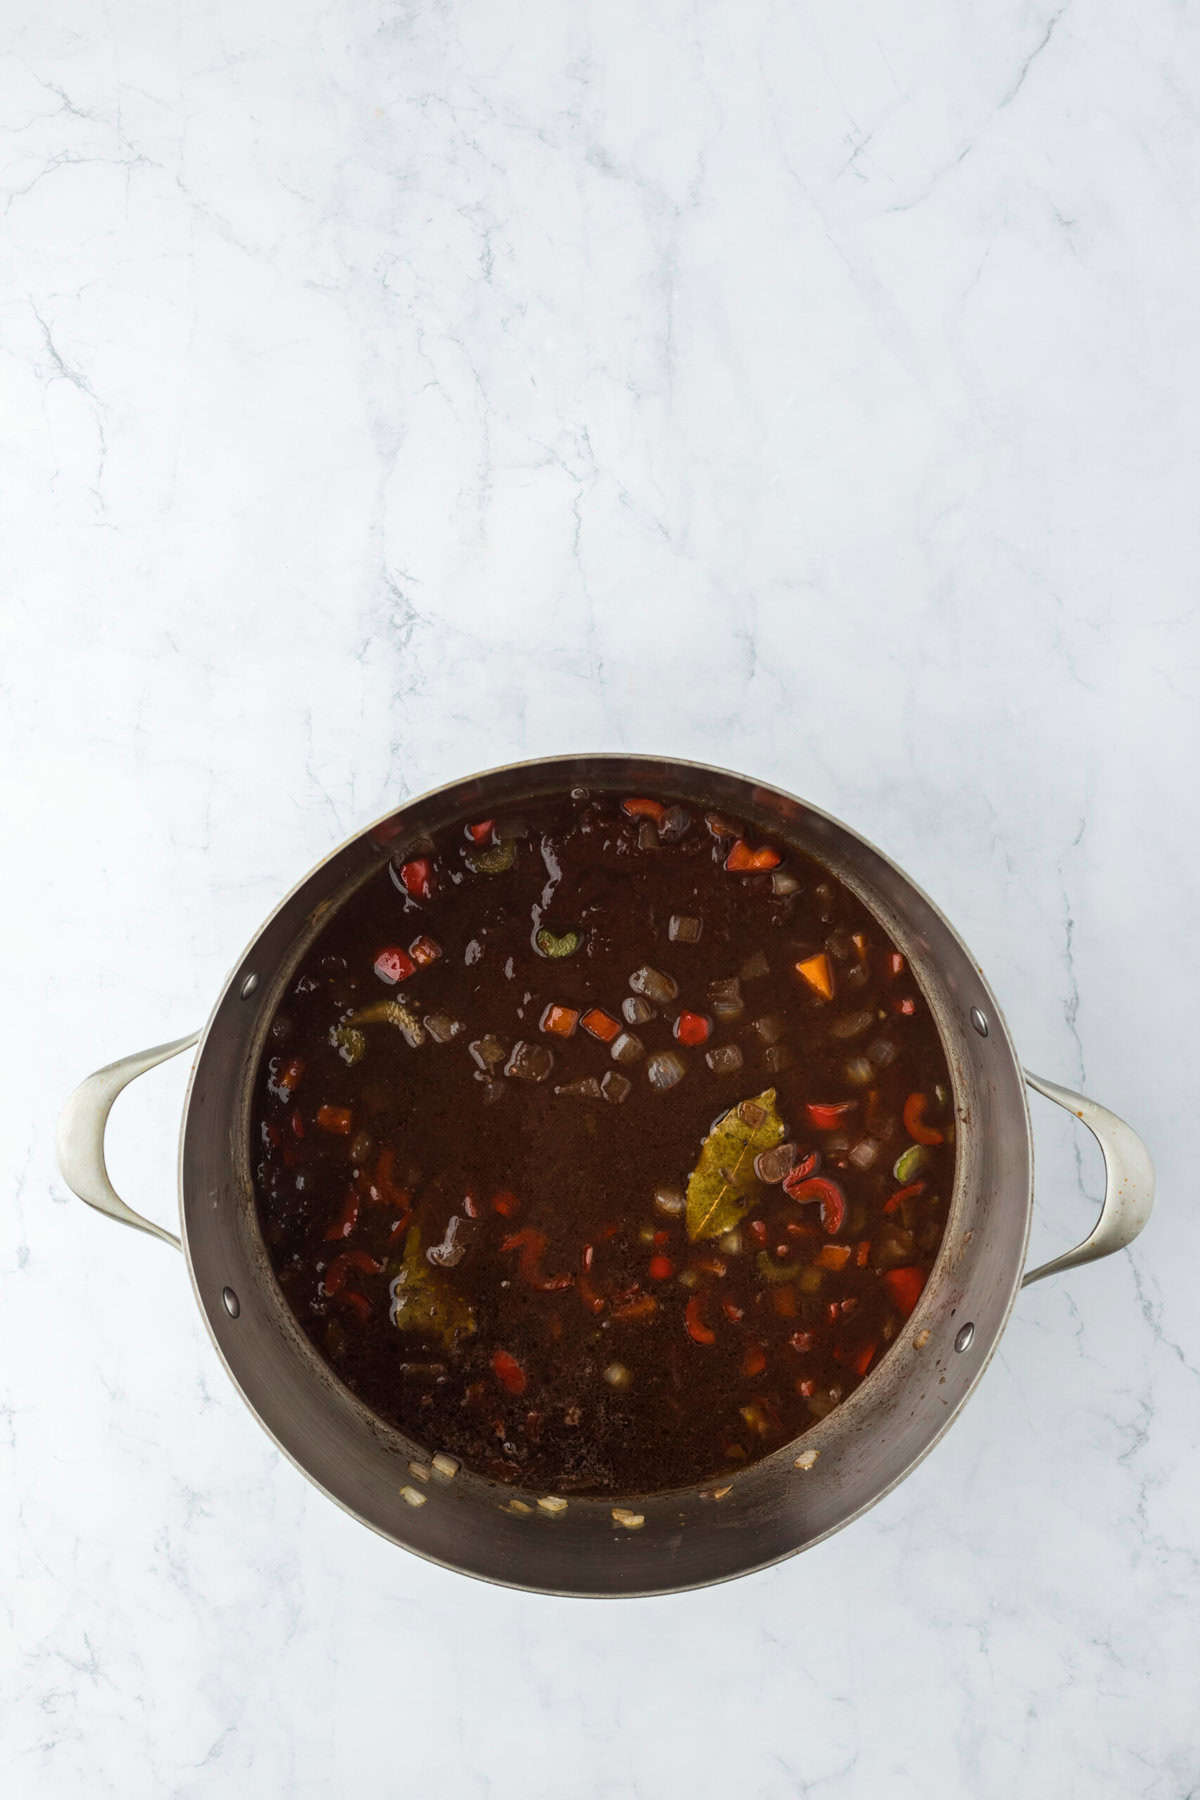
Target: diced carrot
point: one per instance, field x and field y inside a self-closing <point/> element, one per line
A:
<point x="859" y="940"/>
<point x="600" y="1025"/>
<point x="643" y="809"/>
<point x="833" y="1256"/>
<point x="905" y="1287"/>
<point x="815" y="970"/>
<point x="742" y="860"/>
<point x="560" y="1020"/>
<point x="754" y="1361"/>
<point x="335" y="1119"/>
<point x="424" y="950"/>
<point x="508" y="1372"/>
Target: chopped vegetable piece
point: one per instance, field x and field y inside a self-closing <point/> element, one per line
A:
<point x="828" y="1116"/>
<point x="615" y="1088"/>
<point x="442" y="1028"/>
<point x="497" y="859"/>
<point x="669" y="1201"/>
<point x="783" y="883"/>
<point x="393" y="965"/>
<point x="643" y="809"/>
<point x="489" y="1052"/>
<point x="771" y="1166"/>
<point x="692" y="1028"/>
<point x="560" y="1020"/>
<point x="350" y="1043"/>
<point x="910" y="1162"/>
<point x="288" y="1078"/>
<point x="859" y="1071"/>
<point x="641" y="1306"/>
<point x="906" y="1006"/>
<point x="895" y="963"/>
<point x="599" y="1025"/>
<point x="529" y="1062"/>
<point x="505" y="1202"/>
<point x="862" y="1254"/>
<point x="665" y="1069"/>
<point x="778" y="1057"/>
<point x="588" y="1088"/>
<point x="334" y="1278"/>
<point x="683" y="929"/>
<point x="508" y="1372"/>
<point x="660" y="1268"/>
<point x="754" y="1361"/>
<point x="722" y="1186"/>
<point x="418" y="878"/>
<point x="817" y="972"/>
<point x="819" y="1187"/>
<point x="628" y="1048"/>
<point x="896" y="1200"/>
<point x="697" y="1329"/>
<point x="635" y="1010"/>
<point x="864" y="1154"/>
<point x="852" y="1025"/>
<point x="905" y="1287"/>
<point x="914" y="1121"/>
<point x="755" y="967"/>
<point x="769" y="1029"/>
<point x="833" y="1256"/>
<point x="548" y="943"/>
<point x="532" y="1245"/>
<point x="424" y="950"/>
<point x="725" y="998"/>
<point x="337" y="1120"/>
<point x="675" y="823"/>
<point x="802" y="1341"/>
<point x="726" y="1059"/>
<point x="618" y="1376"/>
<point x="653" y="985"/>
<point x="882" y="1053"/>
<point x="721" y="827"/>
<point x="424" y="1300"/>
<point x="481" y="833"/>
<point x="743" y="860"/>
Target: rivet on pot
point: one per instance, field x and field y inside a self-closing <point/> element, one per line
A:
<point x="979" y="1021"/>
<point x="233" y="1305"/>
<point x="248" y="986"/>
<point x="963" y="1336"/>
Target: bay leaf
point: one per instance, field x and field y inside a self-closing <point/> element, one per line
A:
<point x="424" y="1300"/>
<point x="722" y="1186"/>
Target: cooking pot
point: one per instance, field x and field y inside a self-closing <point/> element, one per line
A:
<point x="628" y="1544"/>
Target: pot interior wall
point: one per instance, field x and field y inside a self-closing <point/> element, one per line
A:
<point x="688" y="1537"/>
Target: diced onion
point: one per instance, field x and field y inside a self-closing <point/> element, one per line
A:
<point x="865" y="1153"/>
<point x="755" y="967"/>
<point x="654" y="985"/>
<point x="882" y="1052"/>
<point x="683" y="929"/>
<point x="852" y="1025"/>
<point x="859" y="1071"/>
<point x="784" y="883"/>
<point x="778" y="1057"/>
<point x="726" y="1059"/>
<point x="773" y="1165"/>
<point x="770" y="1028"/>
<point x="615" y="1088"/>
<point x="628" y="1048"/>
<point x="441" y="1027"/>
<point x="665" y="1069"/>
<point x="725" y="998"/>
<point x="668" y="1201"/>
<point x="445" y="1466"/>
<point x="635" y="1010"/>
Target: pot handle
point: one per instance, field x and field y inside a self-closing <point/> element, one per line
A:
<point x="1128" y="1180"/>
<point x="80" y="1139"/>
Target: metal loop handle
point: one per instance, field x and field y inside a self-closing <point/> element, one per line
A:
<point x="1128" y="1180"/>
<point x="80" y="1138"/>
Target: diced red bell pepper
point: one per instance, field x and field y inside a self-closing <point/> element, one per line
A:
<point x="288" y="1078"/>
<point x="895" y="1201"/>
<point x="424" y="950"/>
<point x="642" y="1306"/>
<point x="418" y="878"/>
<point x="508" y="1372"/>
<point x="600" y="1025"/>
<point x="862" y="1253"/>
<point x="643" y="809"/>
<point x="337" y="1120"/>
<point x="905" y="1287"/>
<point x="819" y="1187"/>
<point x="505" y="1202"/>
<point x="828" y="1116"/>
<point x="692" y="1028"/>
<point x="733" y="1312"/>
<point x="532" y="1245"/>
<point x="754" y="1361"/>
<point x="895" y="963"/>
<point x="802" y="1340"/>
<point x="907" y="1006"/>
<point x="660" y="1268"/>
<point x="482" y="832"/>
<point x="347" y="1218"/>
<point x="334" y="1278"/>
<point x="358" y="1303"/>
<point x="697" y="1329"/>
<point x="914" y="1121"/>
<point x="393" y="964"/>
<point x="758" y="1231"/>
<point x="742" y="860"/>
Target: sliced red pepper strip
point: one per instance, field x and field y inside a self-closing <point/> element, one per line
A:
<point x="356" y="1302"/>
<point x="481" y="833"/>
<point x="905" y="1286"/>
<point x="591" y="1299"/>
<point x="914" y="1121"/>
<point x="508" y="1372"/>
<point x="334" y="1278"/>
<point x="819" y="1187"/>
<point x="642" y="1306"/>
<point x="532" y="1244"/>
<point x="693" y="1314"/>
<point x="505" y="1202"/>
<point x="643" y="809"/>
<point x="742" y="860"/>
<point x="895" y="1201"/>
<point x="827" y="1117"/>
<point x="347" y="1219"/>
<point x="418" y="878"/>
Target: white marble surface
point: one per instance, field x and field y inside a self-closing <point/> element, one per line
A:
<point x="392" y="389"/>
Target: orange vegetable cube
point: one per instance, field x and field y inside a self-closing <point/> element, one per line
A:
<point x="818" y="974"/>
<point x="833" y="1256"/>
<point x="560" y="1020"/>
<point x="424" y="950"/>
<point x="598" y="1024"/>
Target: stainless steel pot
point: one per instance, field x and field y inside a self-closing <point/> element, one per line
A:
<point x="652" y="1543"/>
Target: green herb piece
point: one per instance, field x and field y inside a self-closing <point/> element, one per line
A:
<point x="393" y="1012"/>
<point x="494" y="860"/>
<point x="722" y="1187"/>
<point x="546" y="943"/>
<point x="423" y="1300"/>
<point x="351" y="1044"/>
<point x="910" y="1162"/>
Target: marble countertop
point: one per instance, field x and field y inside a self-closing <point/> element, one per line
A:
<point x="392" y="389"/>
